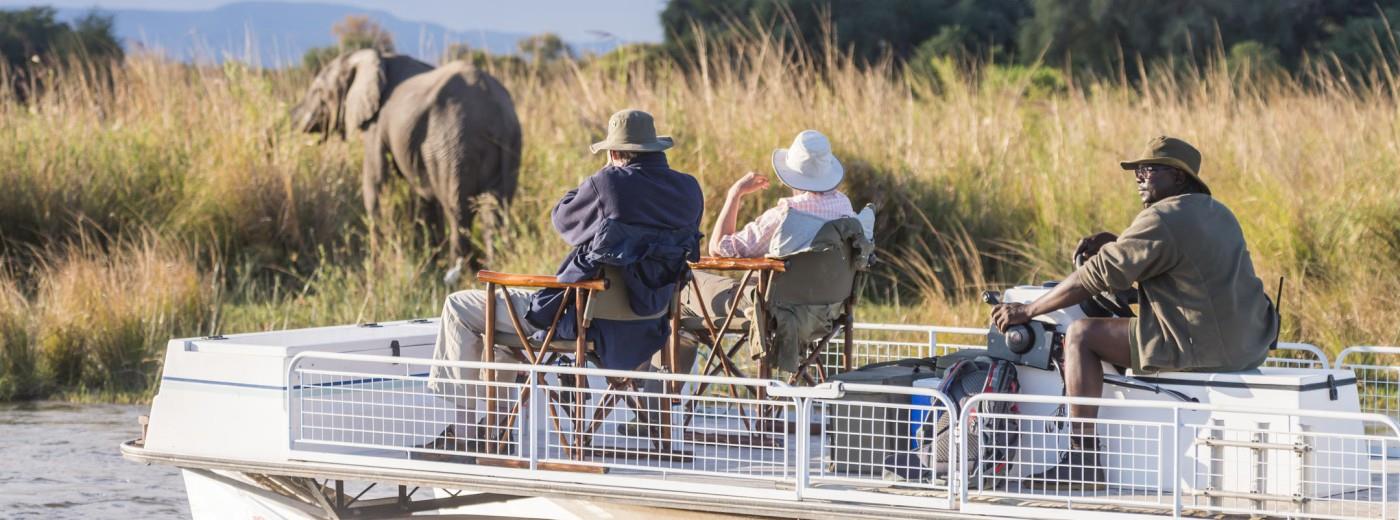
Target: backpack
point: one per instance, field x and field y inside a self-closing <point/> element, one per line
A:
<point x="963" y="379"/>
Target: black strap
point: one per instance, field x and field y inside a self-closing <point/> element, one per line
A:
<point x="930" y="363"/>
<point x="1132" y="382"/>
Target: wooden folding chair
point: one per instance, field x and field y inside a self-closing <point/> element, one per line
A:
<point x="721" y="357"/>
<point x="604" y="298"/>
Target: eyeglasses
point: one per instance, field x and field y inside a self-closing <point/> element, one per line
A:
<point x="1148" y="169"/>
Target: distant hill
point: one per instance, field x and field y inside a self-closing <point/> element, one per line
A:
<point x="276" y="34"/>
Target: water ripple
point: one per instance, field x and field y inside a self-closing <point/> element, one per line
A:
<point x="62" y="461"/>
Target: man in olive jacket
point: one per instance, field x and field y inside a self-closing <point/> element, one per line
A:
<point x="1202" y="307"/>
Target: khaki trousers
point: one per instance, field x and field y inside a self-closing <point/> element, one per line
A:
<point x="460" y="339"/>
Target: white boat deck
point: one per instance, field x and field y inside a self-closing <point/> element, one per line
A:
<point x="369" y="417"/>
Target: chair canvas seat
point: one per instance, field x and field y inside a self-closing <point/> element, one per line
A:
<point x="811" y="300"/>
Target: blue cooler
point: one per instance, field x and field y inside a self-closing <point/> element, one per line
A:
<point x="916" y="417"/>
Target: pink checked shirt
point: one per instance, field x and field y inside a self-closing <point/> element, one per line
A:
<point x="752" y="241"/>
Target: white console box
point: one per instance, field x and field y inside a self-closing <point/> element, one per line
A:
<point x="1258" y="452"/>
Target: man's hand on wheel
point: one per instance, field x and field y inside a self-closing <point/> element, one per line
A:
<point x="1090" y="245"/>
<point x="1008" y="314"/>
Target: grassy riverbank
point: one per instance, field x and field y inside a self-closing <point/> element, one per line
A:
<point x="177" y="201"/>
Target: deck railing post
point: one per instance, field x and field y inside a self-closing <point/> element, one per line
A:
<point x="531" y="416"/>
<point x="933" y="343"/>
<point x="1176" y="462"/>
<point x="957" y="469"/>
<point x="293" y="415"/>
<point x="802" y="432"/>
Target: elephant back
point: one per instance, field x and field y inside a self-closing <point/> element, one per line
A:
<point x="464" y="116"/>
<point x="491" y="110"/>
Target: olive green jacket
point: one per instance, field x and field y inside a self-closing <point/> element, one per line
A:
<point x="824" y="259"/>
<point x="1202" y="307"/>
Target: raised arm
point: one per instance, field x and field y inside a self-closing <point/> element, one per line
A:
<point x="728" y="218"/>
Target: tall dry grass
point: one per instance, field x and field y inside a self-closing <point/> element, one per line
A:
<point x="980" y="184"/>
<point x="103" y="315"/>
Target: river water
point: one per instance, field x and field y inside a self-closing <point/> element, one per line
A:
<point x="60" y="460"/>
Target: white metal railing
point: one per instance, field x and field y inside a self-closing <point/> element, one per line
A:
<point x="880" y="342"/>
<point x="1298" y="355"/>
<point x="870" y="444"/>
<point x="831" y="442"/>
<point x="1377" y="371"/>
<point x="871" y="435"/>
<point x="1177" y="458"/>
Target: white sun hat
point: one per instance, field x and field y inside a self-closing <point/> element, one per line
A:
<point x="808" y="164"/>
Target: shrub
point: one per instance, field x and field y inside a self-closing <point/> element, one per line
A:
<point x="17" y="377"/>
<point x="104" y="319"/>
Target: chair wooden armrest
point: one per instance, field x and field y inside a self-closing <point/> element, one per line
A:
<point x="715" y="263"/>
<point x="541" y="281"/>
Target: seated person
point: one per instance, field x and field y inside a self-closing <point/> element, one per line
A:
<point x="635" y="203"/>
<point x="1203" y="309"/>
<point x="813" y="173"/>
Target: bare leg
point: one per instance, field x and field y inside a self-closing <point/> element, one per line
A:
<point x="1088" y="343"/>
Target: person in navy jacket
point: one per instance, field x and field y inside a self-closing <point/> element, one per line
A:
<point x="637" y="214"/>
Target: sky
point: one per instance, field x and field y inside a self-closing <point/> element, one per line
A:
<point x="575" y="20"/>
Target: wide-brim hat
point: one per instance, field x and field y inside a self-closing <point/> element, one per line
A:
<point x="632" y="130"/>
<point x="1170" y="151"/>
<point x="808" y="164"/>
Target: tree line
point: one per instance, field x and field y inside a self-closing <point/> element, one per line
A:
<point x="1106" y="37"/>
<point x="1101" y="36"/>
<point x="32" y="40"/>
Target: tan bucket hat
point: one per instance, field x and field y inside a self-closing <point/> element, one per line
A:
<point x="1170" y="151"/>
<point x="808" y="164"/>
<point x="632" y="130"/>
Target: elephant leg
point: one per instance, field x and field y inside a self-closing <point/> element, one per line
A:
<point x="491" y="219"/>
<point x="459" y="225"/>
<point x="376" y="172"/>
<point x="430" y="216"/>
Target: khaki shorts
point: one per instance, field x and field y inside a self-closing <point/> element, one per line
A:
<point x="1134" y="345"/>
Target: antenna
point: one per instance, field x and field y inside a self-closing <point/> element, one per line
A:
<point x="1278" y="313"/>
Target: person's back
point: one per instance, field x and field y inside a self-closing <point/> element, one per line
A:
<point x="636" y="214"/>
<point x="650" y="193"/>
<point x="1216" y="280"/>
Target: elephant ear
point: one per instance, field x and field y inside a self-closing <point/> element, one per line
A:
<point x="366" y="79"/>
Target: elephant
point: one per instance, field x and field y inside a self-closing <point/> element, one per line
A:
<point x="450" y="131"/>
